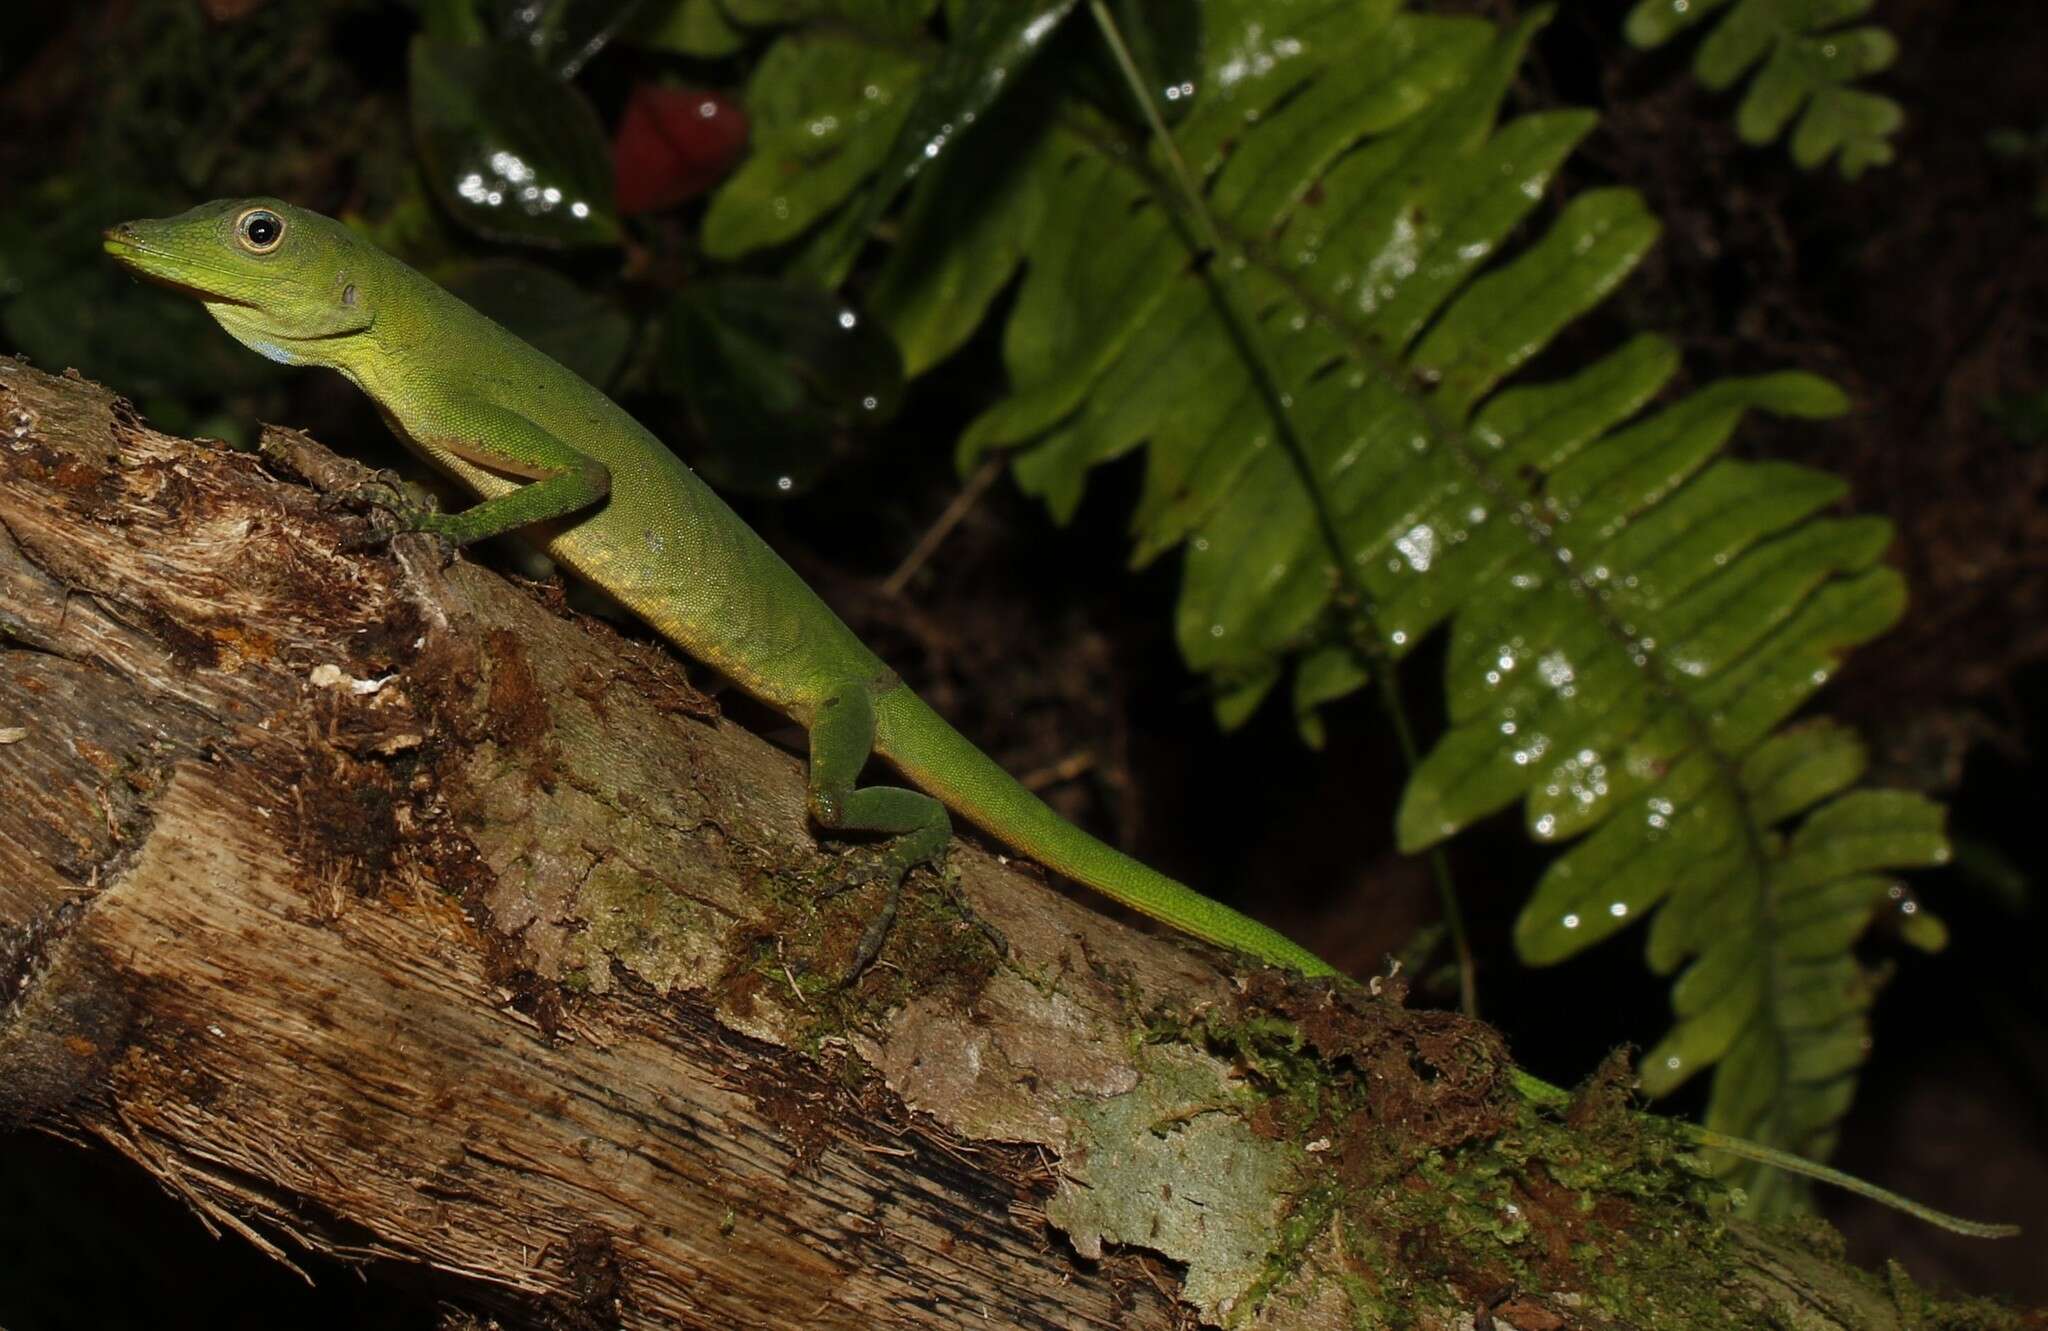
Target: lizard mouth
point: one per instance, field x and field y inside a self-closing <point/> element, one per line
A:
<point x="176" y="271"/>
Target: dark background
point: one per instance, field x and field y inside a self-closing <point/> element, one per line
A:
<point x="1922" y="289"/>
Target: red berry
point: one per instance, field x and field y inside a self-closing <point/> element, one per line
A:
<point x="673" y="144"/>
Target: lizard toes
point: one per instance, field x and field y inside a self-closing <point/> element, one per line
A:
<point x="372" y="535"/>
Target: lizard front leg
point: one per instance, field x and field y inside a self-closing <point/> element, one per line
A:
<point x="561" y="479"/>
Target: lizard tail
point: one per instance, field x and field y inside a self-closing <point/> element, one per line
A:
<point x="945" y="764"/>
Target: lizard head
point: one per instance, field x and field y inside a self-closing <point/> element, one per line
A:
<point x="283" y="281"/>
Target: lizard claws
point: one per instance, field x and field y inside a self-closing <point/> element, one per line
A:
<point x="390" y="510"/>
<point x="384" y="489"/>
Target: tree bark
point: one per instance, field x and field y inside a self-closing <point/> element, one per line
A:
<point x="391" y="910"/>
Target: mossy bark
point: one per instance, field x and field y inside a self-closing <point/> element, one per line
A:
<point x="389" y="910"/>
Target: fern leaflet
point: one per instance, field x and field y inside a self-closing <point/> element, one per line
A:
<point x="1808" y="63"/>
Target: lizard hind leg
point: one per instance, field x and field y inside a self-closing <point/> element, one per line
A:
<point x="842" y="738"/>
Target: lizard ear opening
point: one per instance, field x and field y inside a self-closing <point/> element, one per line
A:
<point x="352" y="311"/>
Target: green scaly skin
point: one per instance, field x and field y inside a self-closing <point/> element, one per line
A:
<point x="544" y="450"/>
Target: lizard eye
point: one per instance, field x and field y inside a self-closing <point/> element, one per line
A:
<point x="260" y="230"/>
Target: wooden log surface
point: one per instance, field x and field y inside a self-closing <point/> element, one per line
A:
<point x="390" y="910"/>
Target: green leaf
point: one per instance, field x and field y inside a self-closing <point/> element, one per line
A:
<point x="1165" y="41"/>
<point x="563" y="35"/>
<point x="582" y="330"/>
<point x="988" y="51"/>
<point x="1654" y="22"/>
<point x="779" y="377"/>
<point x="1774" y="993"/>
<point x="1797" y="769"/>
<point x="885" y="18"/>
<point x="1508" y="315"/>
<point x="1808" y="63"/>
<point x="824" y="107"/>
<point x="511" y="153"/>
<point x="1055" y="343"/>
<point x="454" y="21"/>
<point x="1322" y="677"/>
<point x="963" y="238"/>
<point x="688" y="27"/>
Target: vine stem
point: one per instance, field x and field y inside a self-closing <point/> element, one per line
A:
<point x="1241" y="326"/>
<point x="935" y="535"/>
<point x="1439" y="863"/>
<point x="1540" y="1092"/>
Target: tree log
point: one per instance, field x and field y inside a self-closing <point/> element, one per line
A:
<point x="390" y="910"/>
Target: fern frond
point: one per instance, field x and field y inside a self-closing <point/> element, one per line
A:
<point x="1346" y="453"/>
<point x="1632" y="617"/>
<point x="1809" y="61"/>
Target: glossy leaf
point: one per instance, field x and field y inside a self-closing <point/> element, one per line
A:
<point x="879" y="18"/>
<point x="563" y="35"/>
<point x="1780" y="1000"/>
<point x="825" y="106"/>
<point x="1633" y="617"/>
<point x="511" y="152"/>
<point x="778" y="377"/>
<point x="454" y="21"/>
<point x="1165" y="41"/>
<point x="688" y="27"/>
<point x="582" y="330"/>
<point x="1322" y="677"/>
<point x="989" y="49"/>
<point x="963" y="239"/>
<point x="1808" y="62"/>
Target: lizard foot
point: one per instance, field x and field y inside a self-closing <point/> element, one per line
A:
<point x="879" y="927"/>
<point x="876" y="934"/>
<point x="856" y="870"/>
<point x="385" y="490"/>
<point x="989" y="931"/>
<point x="390" y="510"/>
<point x="377" y="535"/>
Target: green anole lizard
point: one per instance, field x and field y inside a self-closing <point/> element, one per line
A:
<point x="538" y="445"/>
